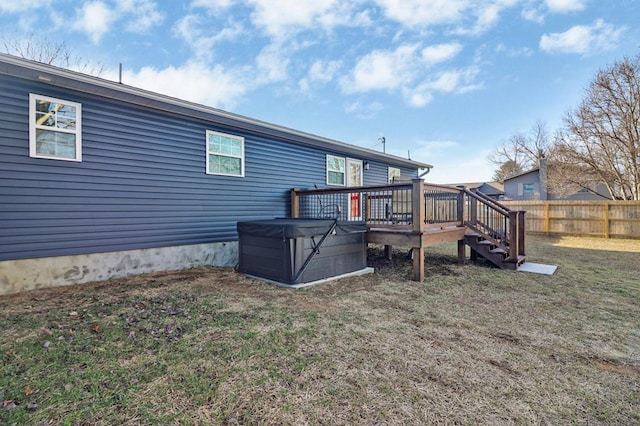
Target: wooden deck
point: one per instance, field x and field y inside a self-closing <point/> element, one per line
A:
<point x="390" y="237"/>
<point x="418" y="215"/>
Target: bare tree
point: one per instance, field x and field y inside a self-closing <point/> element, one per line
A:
<point x="506" y="170"/>
<point x="521" y="152"/>
<point x="600" y="141"/>
<point x="49" y="52"/>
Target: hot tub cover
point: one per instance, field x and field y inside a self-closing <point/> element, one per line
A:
<point x="295" y="228"/>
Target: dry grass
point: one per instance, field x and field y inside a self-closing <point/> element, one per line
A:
<point x="471" y="345"/>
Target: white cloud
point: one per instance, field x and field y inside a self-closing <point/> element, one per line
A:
<point x="383" y="69"/>
<point x="12" y="6"/>
<point x="95" y="19"/>
<point x="213" y="5"/>
<point x="214" y="86"/>
<point x="320" y="72"/>
<point x="538" y="13"/>
<point x="424" y="12"/>
<point x="513" y="51"/>
<point x="533" y="14"/>
<point x="142" y="14"/>
<point x="466" y="17"/>
<point x="272" y="64"/>
<point x="488" y="15"/>
<point x="582" y="39"/>
<point x="440" y="52"/>
<point x="194" y="30"/>
<point x="404" y="70"/>
<point x="281" y="17"/>
<point x="564" y="6"/>
<point x="453" y="81"/>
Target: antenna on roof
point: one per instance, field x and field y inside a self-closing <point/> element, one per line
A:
<point x="383" y="141"/>
<point x="120" y="74"/>
<point x="409" y="154"/>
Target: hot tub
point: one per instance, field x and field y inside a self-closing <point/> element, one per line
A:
<point x="299" y="251"/>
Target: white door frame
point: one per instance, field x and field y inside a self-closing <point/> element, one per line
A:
<point x="355" y="199"/>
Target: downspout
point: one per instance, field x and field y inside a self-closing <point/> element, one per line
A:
<point x="426" y="172"/>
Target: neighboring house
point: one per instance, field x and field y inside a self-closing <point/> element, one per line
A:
<point x="531" y="185"/>
<point x="99" y="179"/>
<point x="490" y="189"/>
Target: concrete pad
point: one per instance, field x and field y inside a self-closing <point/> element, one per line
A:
<point x="302" y="285"/>
<point x="537" y="268"/>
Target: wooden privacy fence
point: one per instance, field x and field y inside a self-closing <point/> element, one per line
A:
<point x="620" y="219"/>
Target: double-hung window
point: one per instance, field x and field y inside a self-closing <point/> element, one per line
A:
<point x="225" y="154"/>
<point x="336" y="167"/>
<point x="55" y="128"/>
<point x="392" y="173"/>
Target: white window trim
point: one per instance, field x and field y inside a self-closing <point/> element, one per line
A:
<point x="241" y="156"/>
<point x="344" y="177"/>
<point x="32" y="127"/>
<point x="389" y="169"/>
<point x="348" y="171"/>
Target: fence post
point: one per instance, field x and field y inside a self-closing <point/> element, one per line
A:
<point x="605" y="219"/>
<point x="547" y="218"/>
<point x="295" y="203"/>
<point x="514" y="238"/>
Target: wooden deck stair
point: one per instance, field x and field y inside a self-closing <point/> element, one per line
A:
<point x="492" y="251"/>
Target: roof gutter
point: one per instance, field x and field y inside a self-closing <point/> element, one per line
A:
<point x="61" y="77"/>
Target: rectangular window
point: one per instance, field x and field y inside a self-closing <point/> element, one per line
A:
<point x="392" y="173"/>
<point x="335" y="170"/>
<point x="527" y="189"/>
<point x="55" y="129"/>
<point x="225" y="154"/>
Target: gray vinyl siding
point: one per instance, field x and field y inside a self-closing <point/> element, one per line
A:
<point x="141" y="182"/>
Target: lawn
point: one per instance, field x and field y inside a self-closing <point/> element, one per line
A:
<point x="470" y="345"/>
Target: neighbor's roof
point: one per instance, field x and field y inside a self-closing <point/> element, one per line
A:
<point x="487" y="188"/>
<point x="535" y="169"/>
<point x="36" y="71"/>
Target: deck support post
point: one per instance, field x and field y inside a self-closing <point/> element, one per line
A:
<point x="388" y="252"/>
<point x="295" y="203"/>
<point x="462" y="252"/>
<point x="418" y="264"/>
<point x="418" y="222"/>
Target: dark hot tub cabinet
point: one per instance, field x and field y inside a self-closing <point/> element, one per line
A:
<point x="301" y="252"/>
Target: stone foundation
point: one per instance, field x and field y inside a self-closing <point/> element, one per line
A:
<point x="29" y="274"/>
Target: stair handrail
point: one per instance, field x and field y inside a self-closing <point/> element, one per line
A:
<point x="486" y="199"/>
<point x="513" y="239"/>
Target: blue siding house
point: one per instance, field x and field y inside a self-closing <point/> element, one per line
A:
<point x="99" y="179"/>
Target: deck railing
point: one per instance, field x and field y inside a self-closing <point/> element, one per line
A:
<point x="416" y="206"/>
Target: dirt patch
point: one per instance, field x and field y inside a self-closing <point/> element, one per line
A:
<point x="616" y="367"/>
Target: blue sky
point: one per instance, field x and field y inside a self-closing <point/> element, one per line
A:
<point x="444" y="80"/>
